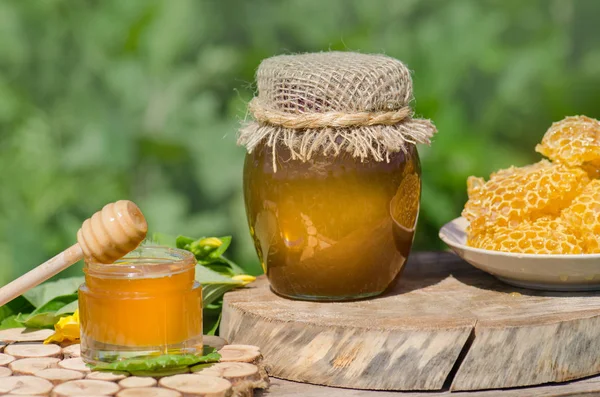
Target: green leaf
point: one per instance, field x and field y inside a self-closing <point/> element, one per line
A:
<point x="200" y="367"/>
<point x="160" y="363"/>
<point x="214" y="284"/>
<point x="216" y="305"/>
<point x="162" y="372"/>
<point x="222" y="265"/>
<point x="234" y="267"/>
<point x="226" y="242"/>
<point x="215" y="327"/>
<point x="10" y="322"/>
<point x="204" y="248"/>
<point x="14" y="307"/>
<point x="47" y="291"/>
<point x="56" y="304"/>
<point x="207" y="276"/>
<point x="68" y="309"/>
<point x="210" y="255"/>
<point x="221" y="268"/>
<point x="212" y="292"/>
<point x="42" y="320"/>
<point x="46" y="315"/>
<point x="211" y="316"/>
<point x="184" y="242"/>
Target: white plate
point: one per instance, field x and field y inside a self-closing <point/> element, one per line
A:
<point x="543" y="272"/>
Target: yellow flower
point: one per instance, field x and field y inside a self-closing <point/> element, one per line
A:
<point x="66" y="329"/>
<point x="246" y="279"/>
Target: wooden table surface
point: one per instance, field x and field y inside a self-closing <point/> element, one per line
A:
<point x="586" y="387"/>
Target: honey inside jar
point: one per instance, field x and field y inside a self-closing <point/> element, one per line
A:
<point x="332" y="228"/>
<point x="148" y="302"/>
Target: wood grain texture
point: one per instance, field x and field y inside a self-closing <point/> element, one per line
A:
<point x="410" y="338"/>
<point x="530" y="355"/>
<point x="49" y="376"/>
<point x="588" y="387"/>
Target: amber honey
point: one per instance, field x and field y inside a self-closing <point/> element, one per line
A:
<point x="333" y="227"/>
<point x="147" y="302"/>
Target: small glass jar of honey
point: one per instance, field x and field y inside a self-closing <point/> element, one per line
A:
<point x="146" y="303"/>
<point x="332" y="180"/>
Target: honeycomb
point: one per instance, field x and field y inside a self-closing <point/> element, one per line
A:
<point x="521" y="194"/>
<point x="543" y="236"/>
<point x="583" y="216"/>
<point x="574" y="141"/>
<point x="550" y="207"/>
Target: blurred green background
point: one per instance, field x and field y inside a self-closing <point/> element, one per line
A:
<point x="141" y="99"/>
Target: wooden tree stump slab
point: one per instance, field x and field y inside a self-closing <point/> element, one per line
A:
<point x="443" y="325"/>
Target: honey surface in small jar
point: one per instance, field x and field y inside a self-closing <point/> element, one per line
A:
<point x="146" y="302"/>
<point x="331" y="228"/>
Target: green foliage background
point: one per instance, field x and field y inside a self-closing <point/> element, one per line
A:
<point x="141" y="99"/>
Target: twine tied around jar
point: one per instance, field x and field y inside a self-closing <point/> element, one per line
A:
<point x="334" y="102"/>
<point x="263" y="114"/>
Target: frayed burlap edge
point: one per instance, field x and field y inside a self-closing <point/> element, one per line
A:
<point x="376" y="142"/>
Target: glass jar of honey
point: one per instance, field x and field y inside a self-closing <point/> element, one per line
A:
<point x="331" y="229"/>
<point x="146" y="303"/>
<point x="332" y="181"/>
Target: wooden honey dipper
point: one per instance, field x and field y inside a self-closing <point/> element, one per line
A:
<point x="108" y="235"/>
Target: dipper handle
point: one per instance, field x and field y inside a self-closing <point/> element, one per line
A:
<point x="107" y="236"/>
<point x="40" y="274"/>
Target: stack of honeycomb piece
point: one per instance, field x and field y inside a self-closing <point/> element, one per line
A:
<point x="550" y="207"/>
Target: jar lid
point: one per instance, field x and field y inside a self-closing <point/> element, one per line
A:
<point x="334" y="102"/>
<point x="333" y="81"/>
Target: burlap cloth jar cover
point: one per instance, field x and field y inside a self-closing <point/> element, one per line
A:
<point x="333" y="102"/>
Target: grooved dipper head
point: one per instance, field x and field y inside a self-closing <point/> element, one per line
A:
<point x="112" y="232"/>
